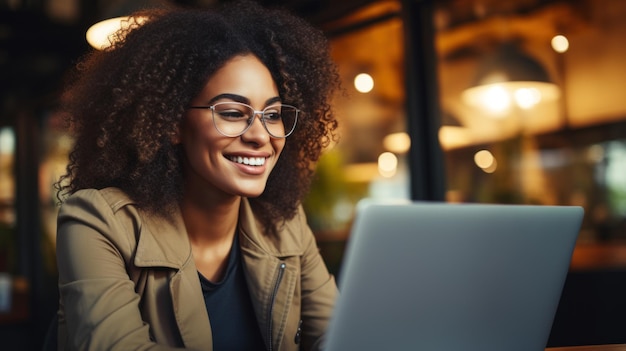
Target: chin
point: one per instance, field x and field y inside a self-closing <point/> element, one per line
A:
<point x="250" y="193"/>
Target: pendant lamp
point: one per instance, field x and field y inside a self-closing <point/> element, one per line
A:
<point x="510" y="78"/>
<point x="116" y="17"/>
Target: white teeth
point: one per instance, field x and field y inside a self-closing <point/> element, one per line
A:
<point x="251" y="161"/>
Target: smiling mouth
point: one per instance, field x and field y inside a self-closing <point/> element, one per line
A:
<point x="248" y="161"/>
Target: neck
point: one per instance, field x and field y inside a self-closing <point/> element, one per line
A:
<point x="210" y="223"/>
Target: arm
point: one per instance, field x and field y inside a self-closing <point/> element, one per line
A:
<point x="99" y="306"/>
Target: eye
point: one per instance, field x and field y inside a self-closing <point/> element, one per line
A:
<point x="232" y="111"/>
<point x="272" y="115"/>
<point x="232" y="114"/>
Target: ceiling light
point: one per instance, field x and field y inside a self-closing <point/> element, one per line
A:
<point x="507" y="78"/>
<point x="101" y="35"/>
<point x="364" y="83"/>
<point x="387" y="164"/>
<point x="398" y="143"/>
<point x="116" y="15"/>
<point x="560" y="43"/>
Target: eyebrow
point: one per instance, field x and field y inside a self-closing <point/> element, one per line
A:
<point x="242" y="99"/>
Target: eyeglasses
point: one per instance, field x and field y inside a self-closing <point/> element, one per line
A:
<point x="232" y="119"/>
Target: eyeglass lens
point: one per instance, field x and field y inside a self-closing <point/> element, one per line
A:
<point x="233" y="119"/>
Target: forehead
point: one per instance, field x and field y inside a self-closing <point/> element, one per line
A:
<point x="245" y="76"/>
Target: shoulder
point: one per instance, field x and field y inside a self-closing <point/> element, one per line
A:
<point x="109" y="212"/>
<point x="112" y="199"/>
<point x="296" y="227"/>
<point x="109" y="215"/>
<point x="293" y="235"/>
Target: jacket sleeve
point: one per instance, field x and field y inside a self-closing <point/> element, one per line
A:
<point x="319" y="291"/>
<point x="99" y="309"/>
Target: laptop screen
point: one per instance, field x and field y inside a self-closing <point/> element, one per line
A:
<point x="437" y="276"/>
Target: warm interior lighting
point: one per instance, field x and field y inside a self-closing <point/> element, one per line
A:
<point x="398" y="143"/>
<point x="493" y="97"/>
<point x="526" y="98"/>
<point x="509" y="77"/>
<point x="387" y="164"/>
<point x="498" y="98"/>
<point x="99" y="35"/>
<point x="451" y="137"/>
<point x="483" y="158"/>
<point x="491" y="168"/>
<point x="560" y="43"/>
<point x="485" y="161"/>
<point x="364" y="83"/>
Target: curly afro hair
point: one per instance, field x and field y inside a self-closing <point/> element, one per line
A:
<point x="125" y="103"/>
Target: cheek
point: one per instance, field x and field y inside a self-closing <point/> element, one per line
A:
<point x="197" y="132"/>
<point x="278" y="145"/>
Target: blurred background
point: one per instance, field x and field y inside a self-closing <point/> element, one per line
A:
<point x="519" y="102"/>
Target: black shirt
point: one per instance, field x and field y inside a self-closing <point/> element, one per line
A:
<point x="228" y="303"/>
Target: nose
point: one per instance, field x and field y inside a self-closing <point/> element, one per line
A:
<point x="257" y="132"/>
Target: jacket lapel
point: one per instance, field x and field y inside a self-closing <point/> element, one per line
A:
<point x="271" y="282"/>
<point x="192" y="319"/>
<point x="165" y="243"/>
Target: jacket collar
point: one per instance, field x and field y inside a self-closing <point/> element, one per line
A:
<point x="251" y="231"/>
<point x="163" y="242"/>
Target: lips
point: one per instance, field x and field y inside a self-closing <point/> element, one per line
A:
<point x="248" y="161"/>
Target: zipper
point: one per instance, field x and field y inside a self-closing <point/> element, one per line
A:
<point x="281" y="270"/>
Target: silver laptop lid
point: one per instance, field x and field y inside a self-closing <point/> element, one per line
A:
<point x="435" y="276"/>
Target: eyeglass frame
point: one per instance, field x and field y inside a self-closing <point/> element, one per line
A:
<point x="251" y="119"/>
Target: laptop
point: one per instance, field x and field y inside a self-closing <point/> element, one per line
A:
<point x="444" y="277"/>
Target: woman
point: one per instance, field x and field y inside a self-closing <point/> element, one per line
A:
<point x="196" y="134"/>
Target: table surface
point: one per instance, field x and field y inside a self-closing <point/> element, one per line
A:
<point x="615" y="347"/>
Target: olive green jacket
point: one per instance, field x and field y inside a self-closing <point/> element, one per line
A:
<point x="128" y="281"/>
